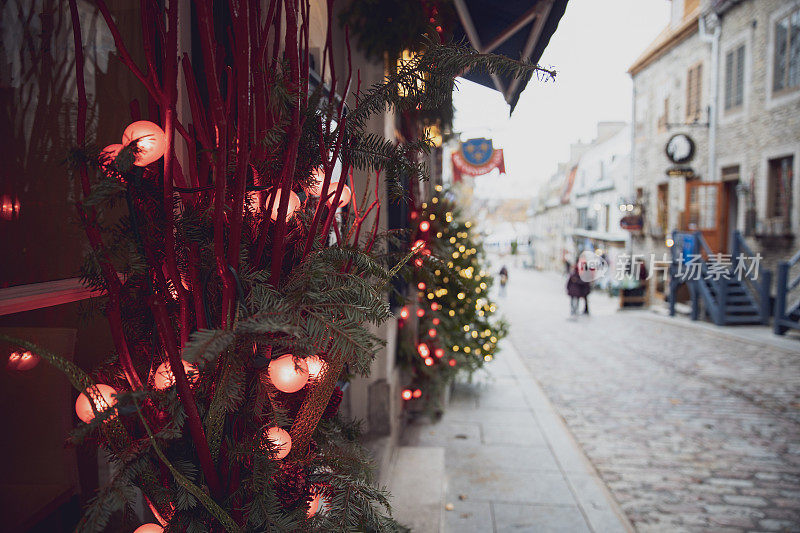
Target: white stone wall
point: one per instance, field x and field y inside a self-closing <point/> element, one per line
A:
<point x="766" y="126"/>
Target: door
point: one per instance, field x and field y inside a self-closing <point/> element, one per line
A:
<point x="704" y="212"/>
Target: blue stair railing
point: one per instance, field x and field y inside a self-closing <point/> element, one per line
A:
<point x="732" y="289"/>
<point x="787" y="301"/>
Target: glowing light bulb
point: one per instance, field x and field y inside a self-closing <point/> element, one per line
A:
<point x="83" y="407"/>
<point x="22" y="361"/>
<point x="406" y="394"/>
<point x="149" y="528"/>
<point x="423" y="349"/>
<point x="417" y="393"/>
<point x="432" y="333"/>
<point x="428" y="361"/>
<point x="435" y="306"/>
<point x="404" y="313"/>
<point x="280" y="440"/>
<point x="436" y="321"/>
<point x="150" y="141"/>
<point x="439" y="353"/>
<point x="315" y="365"/>
<point x="291" y="207"/>
<point x="164" y="378"/>
<point x="424" y="225"/>
<point x="313" y="507"/>
<point x="418" y="245"/>
<point x="344" y="199"/>
<point x="287" y="374"/>
<point x="420" y="312"/>
<point x="452" y="362"/>
<point x="421" y="286"/>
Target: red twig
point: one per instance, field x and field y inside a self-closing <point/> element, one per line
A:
<point x="88" y="217"/>
<point x="187" y="398"/>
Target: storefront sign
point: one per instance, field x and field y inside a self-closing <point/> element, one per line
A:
<point x="680" y="149"/>
<point x="477" y="157"/>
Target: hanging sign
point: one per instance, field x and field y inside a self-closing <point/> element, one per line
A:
<point x="477" y="157"/>
<point x="632" y="222"/>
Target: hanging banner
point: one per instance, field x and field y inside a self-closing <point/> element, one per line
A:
<point x="477" y="157"/>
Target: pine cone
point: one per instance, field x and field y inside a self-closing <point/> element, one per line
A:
<point x="333" y="404"/>
<point x="291" y="486"/>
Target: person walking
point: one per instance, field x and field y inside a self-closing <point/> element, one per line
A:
<point x="503" y="280"/>
<point x="577" y="288"/>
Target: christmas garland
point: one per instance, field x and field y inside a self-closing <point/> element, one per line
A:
<point x="452" y="327"/>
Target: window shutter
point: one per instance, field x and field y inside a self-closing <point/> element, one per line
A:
<point x="739" y="76"/>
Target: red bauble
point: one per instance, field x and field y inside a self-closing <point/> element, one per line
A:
<point x="84" y="409"/>
<point x="22" y="361"/>
<point x="150" y="140"/>
<point x="164" y="379"/>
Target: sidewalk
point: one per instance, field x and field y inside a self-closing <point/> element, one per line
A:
<point x="510" y="462"/>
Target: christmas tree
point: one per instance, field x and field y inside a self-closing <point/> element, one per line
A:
<point x="457" y="329"/>
<point x="241" y="280"/>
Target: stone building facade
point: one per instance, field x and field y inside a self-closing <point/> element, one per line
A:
<point x="726" y="75"/>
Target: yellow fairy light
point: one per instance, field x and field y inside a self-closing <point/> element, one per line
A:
<point x="451" y="313"/>
<point x="487" y="332"/>
<point x="487" y="358"/>
<point x="460" y="295"/>
<point x="477" y="351"/>
<point x="477" y="290"/>
<point x="424" y="206"/>
<point x="466" y="328"/>
<point x="483" y="285"/>
<point x="438" y="188"/>
<point x="474" y="334"/>
<point x="455" y="255"/>
<point x="432" y="217"/>
<point x="455" y="347"/>
<point x="467" y="349"/>
<point x="445" y="279"/>
<point x="492" y="308"/>
<point x="461" y="248"/>
<point x="448" y="217"/>
<point x="468" y="224"/>
<point x="434" y="200"/>
<point x="452" y="240"/>
<point x="449" y="264"/>
<point x="480" y="313"/>
<point x="430" y="296"/>
<point x="437" y="272"/>
<point x="487" y="346"/>
<point x="438" y="234"/>
<point x="493" y="339"/>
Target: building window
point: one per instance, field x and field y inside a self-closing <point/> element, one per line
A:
<point x="583" y="217"/>
<point x="694" y="85"/>
<point x="663" y="119"/>
<point x="786" y="62"/>
<point x="734" y="78"/>
<point x="779" y="190"/>
<point x="662" y="220"/>
<point x="730" y="173"/>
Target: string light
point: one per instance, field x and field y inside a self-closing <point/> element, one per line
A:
<point x="404" y="313"/>
<point x="417" y="393"/>
<point x="406" y="394"/>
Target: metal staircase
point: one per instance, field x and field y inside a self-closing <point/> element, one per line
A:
<point x="787" y="299"/>
<point x="720" y="287"/>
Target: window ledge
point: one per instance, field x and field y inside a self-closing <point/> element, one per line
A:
<point x="40" y="295"/>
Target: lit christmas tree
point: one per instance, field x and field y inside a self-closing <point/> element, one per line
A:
<point x="457" y="329"/>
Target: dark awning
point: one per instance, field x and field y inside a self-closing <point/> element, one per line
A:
<point x="513" y="28"/>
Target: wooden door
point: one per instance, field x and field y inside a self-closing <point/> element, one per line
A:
<point x="704" y="212"/>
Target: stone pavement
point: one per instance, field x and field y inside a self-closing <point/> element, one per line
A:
<point x="692" y="427"/>
<point x="510" y="463"/>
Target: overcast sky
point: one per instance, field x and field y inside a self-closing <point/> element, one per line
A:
<point x="595" y="43"/>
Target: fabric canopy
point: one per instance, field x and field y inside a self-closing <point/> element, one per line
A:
<point x="513" y="28"/>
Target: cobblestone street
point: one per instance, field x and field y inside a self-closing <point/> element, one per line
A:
<point x="691" y="428"/>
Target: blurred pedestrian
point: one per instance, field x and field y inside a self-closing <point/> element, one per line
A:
<point x="503" y="280"/>
<point x="577" y="288"/>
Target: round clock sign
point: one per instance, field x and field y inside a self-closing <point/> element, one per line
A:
<point x="680" y="148"/>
